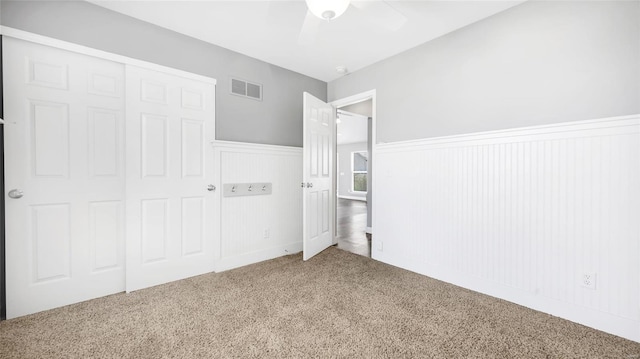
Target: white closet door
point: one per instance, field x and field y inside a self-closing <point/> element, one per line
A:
<point x="64" y="141"/>
<point x="170" y="209"/>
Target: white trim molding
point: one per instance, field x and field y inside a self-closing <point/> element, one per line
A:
<point x="256" y="147"/>
<point x="521" y="214"/>
<point x="548" y="132"/>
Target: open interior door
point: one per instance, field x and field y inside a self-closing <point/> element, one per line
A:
<point x="317" y="176"/>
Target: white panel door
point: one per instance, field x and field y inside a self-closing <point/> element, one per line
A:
<point x="318" y="148"/>
<point x="63" y="140"/>
<point x="170" y="207"/>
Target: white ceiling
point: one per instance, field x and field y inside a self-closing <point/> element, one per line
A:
<point x="369" y="31"/>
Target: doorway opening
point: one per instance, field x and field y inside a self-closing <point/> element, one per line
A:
<point x="354" y="144"/>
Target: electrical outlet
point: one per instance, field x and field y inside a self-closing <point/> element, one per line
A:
<point x="380" y="246"/>
<point x="267" y="233"/>
<point x="588" y="280"/>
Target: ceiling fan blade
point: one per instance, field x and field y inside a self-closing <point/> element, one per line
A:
<point x="309" y="30"/>
<point x="381" y="13"/>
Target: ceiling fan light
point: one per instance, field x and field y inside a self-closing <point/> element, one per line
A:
<point x="327" y="9"/>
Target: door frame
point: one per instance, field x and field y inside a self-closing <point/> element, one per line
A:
<point x="3" y="284"/>
<point x="346" y="101"/>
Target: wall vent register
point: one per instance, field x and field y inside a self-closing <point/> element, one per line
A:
<point x="246" y="89"/>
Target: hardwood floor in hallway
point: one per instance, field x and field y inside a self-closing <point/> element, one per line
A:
<point x="352" y="223"/>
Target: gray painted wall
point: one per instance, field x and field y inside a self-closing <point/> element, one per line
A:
<point x="275" y="120"/>
<point x="537" y="63"/>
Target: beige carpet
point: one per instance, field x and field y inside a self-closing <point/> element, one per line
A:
<point x="336" y="305"/>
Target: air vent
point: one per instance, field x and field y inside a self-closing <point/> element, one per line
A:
<point x="246" y="89"/>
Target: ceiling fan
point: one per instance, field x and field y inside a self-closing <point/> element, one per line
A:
<point x="378" y="12"/>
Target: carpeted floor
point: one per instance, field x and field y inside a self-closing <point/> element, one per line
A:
<point x="336" y="305"/>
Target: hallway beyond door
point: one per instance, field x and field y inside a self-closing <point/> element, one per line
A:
<point x="352" y="222"/>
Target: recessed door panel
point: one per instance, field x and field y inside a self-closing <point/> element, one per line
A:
<point x="325" y="211"/>
<point x="104" y="143"/>
<point x="104" y="85"/>
<point x="51" y="242"/>
<point x="325" y="152"/>
<point x="192" y="99"/>
<point x="315" y="153"/>
<point x="154" y="230"/>
<point x="193" y="225"/>
<point x="325" y="118"/>
<point x="313" y="214"/>
<point x="47" y="74"/>
<point x="154" y="145"/>
<point x="192" y="148"/>
<point x="154" y="92"/>
<point x="50" y="139"/>
<point x="105" y="229"/>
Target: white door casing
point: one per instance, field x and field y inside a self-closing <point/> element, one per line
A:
<point x="170" y="209"/>
<point x="318" y="196"/>
<point x="64" y="142"/>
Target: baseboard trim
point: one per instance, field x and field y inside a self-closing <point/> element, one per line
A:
<point x="228" y="263"/>
<point x="623" y="327"/>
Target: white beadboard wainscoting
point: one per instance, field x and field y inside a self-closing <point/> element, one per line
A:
<point x="522" y="215"/>
<point x="257" y="228"/>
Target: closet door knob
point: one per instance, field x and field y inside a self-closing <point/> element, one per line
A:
<point x="16" y="193"/>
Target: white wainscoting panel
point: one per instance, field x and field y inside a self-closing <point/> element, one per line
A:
<point x="257" y="228"/>
<point x="522" y="215"/>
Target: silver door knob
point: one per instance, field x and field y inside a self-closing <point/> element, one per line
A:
<point x="211" y="188"/>
<point x="16" y="193"/>
<point x="309" y="184"/>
